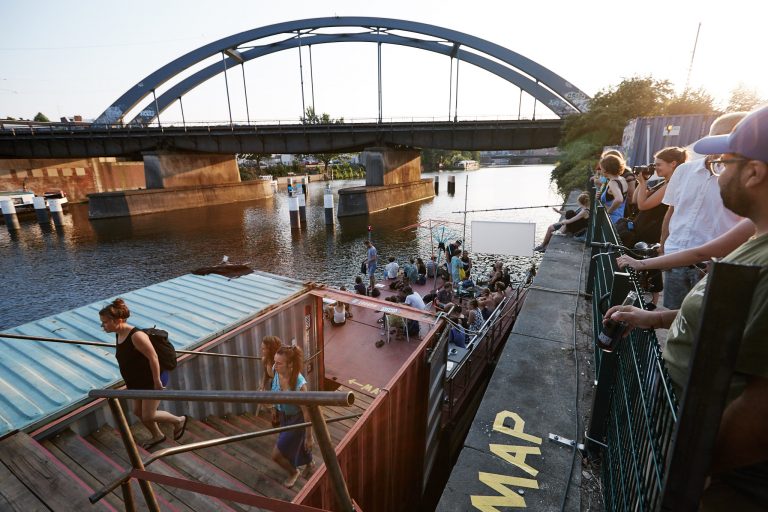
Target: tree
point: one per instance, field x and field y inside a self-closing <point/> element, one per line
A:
<point x="256" y="158"/>
<point x="696" y="101"/>
<point x="311" y="117"/>
<point x="743" y="99"/>
<point x="41" y="118"/>
<point x="585" y="134"/>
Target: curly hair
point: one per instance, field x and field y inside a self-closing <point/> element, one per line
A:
<point x="117" y="309"/>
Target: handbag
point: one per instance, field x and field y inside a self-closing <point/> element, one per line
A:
<point x="363" y="268"/>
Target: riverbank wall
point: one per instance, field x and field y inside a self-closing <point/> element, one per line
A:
<point x="541" y="387"/>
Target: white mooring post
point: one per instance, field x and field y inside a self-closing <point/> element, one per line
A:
<point x="293" y="211"/>
<point x="328" y="205"/>
<point x="9" y="213"/>
<point x="41" y="210"/>
<point x="57" y="213"/>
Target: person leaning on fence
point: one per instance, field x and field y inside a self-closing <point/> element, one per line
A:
<point x="740" y="457"/>
<point x="294" y="447"/>
<point x="140" y="368"/>
<point x="695" y="216"/>
<point x="615" y="191"/>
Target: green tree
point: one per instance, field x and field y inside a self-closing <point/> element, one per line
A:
<point x="41" y="118"/>
<point x="585" y="134"/>
<point x="743" y="99"/>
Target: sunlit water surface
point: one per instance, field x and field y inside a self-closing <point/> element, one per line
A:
<point x="47" y="272"/>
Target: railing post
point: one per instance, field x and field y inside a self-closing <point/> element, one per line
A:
<point x="727" y="301"/>
<point x="591" y="232"/>
<point x="133" y="453"/>
<point x="128" y="501"/>
<point x="329" y="456"/>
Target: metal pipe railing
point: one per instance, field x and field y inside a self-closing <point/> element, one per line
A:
<point x="112" y="345"/>
<point x="311" y="399"/>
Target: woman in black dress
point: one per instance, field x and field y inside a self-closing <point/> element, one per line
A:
<point x="140" y="369"/>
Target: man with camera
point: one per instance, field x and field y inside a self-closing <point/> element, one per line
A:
<point x="739" y="466"/>
<point x="695" y="216"/>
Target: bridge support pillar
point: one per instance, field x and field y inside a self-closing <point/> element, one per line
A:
<point x="165" y="169"/>
<point x="393" y="178"/>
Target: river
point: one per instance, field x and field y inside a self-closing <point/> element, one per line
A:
<point x="49" y="271"/>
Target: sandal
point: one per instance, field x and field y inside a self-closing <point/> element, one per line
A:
<point x="291" y="481"/>
<point x="148" y="445"/>
<point x="309" y="469"/>
<point x="177" y="434"/>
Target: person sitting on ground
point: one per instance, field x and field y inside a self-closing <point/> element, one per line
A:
<point x="410" y="271"/>
<point x="431" y="267"/>
<point x="475" y="316"/>
<point x="496" y="274"/>
<point x="359" y="286"/>
<point x="421" y="267"/>
<point x="466" y="264"/>
<point x="457" y="336"/>
<point x="444" y="297"/>
<point x="413" y="299"/>
<point x="343" y="288"/>
<point x="486" y="303"/>
<point x="339" y="314"/>
<point x="574" y="222"/>
<point x="391" y="268"/>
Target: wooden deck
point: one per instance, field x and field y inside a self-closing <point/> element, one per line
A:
<point x="60" y="472"/>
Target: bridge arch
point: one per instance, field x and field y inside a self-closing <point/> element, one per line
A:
<point x="547" y="87"/>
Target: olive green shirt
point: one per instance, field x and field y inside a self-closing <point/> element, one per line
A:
<point x="753" y="354"/>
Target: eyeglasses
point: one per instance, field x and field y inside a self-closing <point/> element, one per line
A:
<point x="717" y="166"/>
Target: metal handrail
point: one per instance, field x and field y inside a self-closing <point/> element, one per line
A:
<point x="112" y="345"/>
<point x="306" y="398"/>
<point x="311" y="399"/>
<point x="209" y="443"/>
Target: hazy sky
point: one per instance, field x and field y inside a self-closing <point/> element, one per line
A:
<point x="76" y="57"/>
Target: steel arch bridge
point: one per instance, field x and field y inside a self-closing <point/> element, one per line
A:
<point x="548" y="88"/>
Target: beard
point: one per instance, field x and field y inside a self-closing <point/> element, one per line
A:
<point x="734" y="197"/>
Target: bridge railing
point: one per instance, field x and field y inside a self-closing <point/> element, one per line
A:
<point x="26" y="127"/>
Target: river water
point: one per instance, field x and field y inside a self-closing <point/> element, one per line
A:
<point x="50" y="271"/>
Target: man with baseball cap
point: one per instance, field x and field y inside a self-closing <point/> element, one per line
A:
<point x="740" y="458"/>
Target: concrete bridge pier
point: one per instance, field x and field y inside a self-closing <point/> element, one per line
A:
<point x="180" y="180"/>
<point x="393" y="178"/>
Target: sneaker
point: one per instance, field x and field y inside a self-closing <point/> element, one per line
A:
<point x="539" y="248"/>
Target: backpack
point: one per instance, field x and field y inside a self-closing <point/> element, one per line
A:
<point x="166" y="354"/>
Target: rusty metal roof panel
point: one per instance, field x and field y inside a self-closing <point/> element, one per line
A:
<point x="39" y="380"/>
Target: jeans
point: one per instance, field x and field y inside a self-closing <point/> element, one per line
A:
<point x="678" y="282"/>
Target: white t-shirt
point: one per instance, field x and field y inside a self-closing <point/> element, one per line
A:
<point x="699" y="214"/>
<point x="390" y="269"/>
<point x="415" y="300"/>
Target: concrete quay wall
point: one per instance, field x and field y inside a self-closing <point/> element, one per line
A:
<point x="364" y="200"/>
<point x="508" y="458"/>
<point x="140" y="202"/>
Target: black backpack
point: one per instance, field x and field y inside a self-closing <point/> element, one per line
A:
<point x="166" y="354"/>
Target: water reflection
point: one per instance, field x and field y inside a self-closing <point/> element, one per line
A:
<point x="53" y="269"/>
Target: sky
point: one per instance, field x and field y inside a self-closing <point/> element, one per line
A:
<point x="66" y="58"/>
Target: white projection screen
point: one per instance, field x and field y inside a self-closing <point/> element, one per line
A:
<point x="512" y="238"/>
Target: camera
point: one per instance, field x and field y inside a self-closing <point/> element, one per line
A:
<point x="646" y="170"/>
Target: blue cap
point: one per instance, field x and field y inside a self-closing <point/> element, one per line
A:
<point x="749" y="138"/>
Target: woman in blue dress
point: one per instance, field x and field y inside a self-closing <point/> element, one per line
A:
<point x="294" y="447"/>
<point x="614" y="193"/>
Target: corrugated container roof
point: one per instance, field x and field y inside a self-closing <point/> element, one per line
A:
<point x="39" y="379"/>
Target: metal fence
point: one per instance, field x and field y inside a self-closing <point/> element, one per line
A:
<point x="635" y="410"/>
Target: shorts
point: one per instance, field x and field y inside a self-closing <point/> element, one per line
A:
<point x="371" y="269"/>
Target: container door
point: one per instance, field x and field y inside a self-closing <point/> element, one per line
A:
<point x="436" y="362"/>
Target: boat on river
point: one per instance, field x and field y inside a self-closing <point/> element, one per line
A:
<point x="407" y="400"/>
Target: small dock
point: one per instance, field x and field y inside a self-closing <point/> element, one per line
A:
<point x="510" y="459"/>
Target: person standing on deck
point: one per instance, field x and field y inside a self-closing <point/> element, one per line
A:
<point x="371" y="259"/>
<point x="293" y="447"/>
<point x="140" y="368"/>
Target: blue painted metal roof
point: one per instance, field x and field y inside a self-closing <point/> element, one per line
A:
<point x="39" y="379"/>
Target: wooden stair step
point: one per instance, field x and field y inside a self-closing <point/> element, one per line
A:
<point x="115" y="498"/>
<point x="45" y="476"/>
<point x="108" y="441"/>
<point x="263" y="445"/>
<point x="14" y="495"/>
<point x="242" y="468"/>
